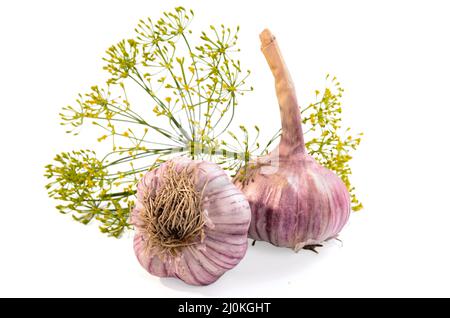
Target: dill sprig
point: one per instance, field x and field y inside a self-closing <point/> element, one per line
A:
<point x="194" y="90"/>
<point x="328" y="141"/>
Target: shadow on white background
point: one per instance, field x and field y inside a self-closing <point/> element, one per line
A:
<point x="263" y="263"/>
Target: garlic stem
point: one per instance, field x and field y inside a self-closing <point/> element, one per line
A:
<point x="292" y="141"/>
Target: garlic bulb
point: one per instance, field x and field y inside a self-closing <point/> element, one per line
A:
<point x="295" y="202"/>
<point x="191" y="221"/>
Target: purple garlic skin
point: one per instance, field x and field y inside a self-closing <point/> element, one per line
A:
<point x="295" y="202"/>
<point x="227" y="218"/>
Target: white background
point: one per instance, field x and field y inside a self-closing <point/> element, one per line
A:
<point x="392" y="57"/>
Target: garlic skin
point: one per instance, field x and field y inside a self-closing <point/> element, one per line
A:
<point x="295" y="202"/>
<point x="223" y="242"/>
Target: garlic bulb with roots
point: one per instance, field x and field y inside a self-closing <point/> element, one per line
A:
<point x="295" y="202"/>
<point x="191" y="221"/>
